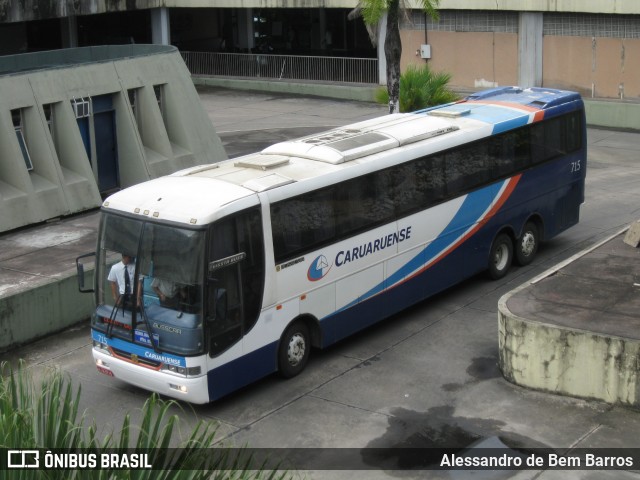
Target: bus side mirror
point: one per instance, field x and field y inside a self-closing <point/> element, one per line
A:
<point x="80" y="264"/>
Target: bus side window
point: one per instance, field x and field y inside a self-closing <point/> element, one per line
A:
<point x="548" y="140"/>
<point x="510" y="153"/>
<point x="378" y="199"/>
<point x="432" y="178"/>
<point x="408" y="194"/>
<point x="574" y="131"/>
<point x="348" y="208"/>
<point x="418" y="184"/>
<point x="537" y="143"/>
<point x="363" y="203"/>
<point x="234" y="291"/>
<point x="251" y="243"/>
<point x="301" y="223"/>
<point x="224" y="313"/>
<point x="555" y="137"/>
<point x="467" y="167"/>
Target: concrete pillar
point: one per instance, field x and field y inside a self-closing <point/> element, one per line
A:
<point x="322" y="19"/>
<point x="160" y="26"/>
<point x="530" y="49"/>
<point x="382" y="60"/>
<point x="246" y="38"/>
<point x="69" y="31"/>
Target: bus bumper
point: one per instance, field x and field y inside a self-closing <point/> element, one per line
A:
<point x="192" y="390"/>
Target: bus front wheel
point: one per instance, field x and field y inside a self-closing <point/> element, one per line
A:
<point x="294" y="350"/>
<point x="501" y="256"/>
<point x="527" y="244"/>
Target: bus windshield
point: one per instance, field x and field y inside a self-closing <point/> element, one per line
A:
<point x="150" y="280"/>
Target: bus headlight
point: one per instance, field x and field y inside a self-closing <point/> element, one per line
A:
<point x="103" y="347"/>
<point x="182" y="371"/>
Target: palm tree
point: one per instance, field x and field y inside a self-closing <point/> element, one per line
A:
<point x="372" y="12"/>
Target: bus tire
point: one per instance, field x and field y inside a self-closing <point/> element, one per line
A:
<point x="501" y="256"/>
<point x="293" y="353"/>
<point x="527" y="244"/>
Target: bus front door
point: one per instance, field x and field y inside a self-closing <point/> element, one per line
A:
<point x="235" y="278"/>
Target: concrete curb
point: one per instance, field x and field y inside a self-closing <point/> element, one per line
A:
<point x="564" y="360"/>
<point x="46" y="307"/>
<point x="357" y="92"/>
<point x="616" y="114"/>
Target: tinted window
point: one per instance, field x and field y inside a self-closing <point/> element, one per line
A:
<point x="418" y="184"/>
<point x="323" y="216"/>
<point x="467" y="167"/>
<point x="574" y="132"/>
<point x="510" y="152"/>
<point x="234" y="291"/>
<point x="302" y="221"/>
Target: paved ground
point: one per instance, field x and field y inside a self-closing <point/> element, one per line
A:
<point x="426" y="377"/>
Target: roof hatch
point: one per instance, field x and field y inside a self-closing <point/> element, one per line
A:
<point x="262" y="162"/>
<point x="343" y="145"/>
<point x="267" y="182"/>
<point x="450" y="112"/>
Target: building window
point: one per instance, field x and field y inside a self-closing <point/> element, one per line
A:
<point x="159" y="91"/>
<point x="591" y="25"/>
<point x="81" y="107"/>
<point x="464" y="21"/>
<point x="16" y="116"/>
<point x="133" y="99"/>
<point x="48" y="115"/>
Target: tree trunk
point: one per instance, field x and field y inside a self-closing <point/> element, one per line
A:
<point x="392" y="53"/>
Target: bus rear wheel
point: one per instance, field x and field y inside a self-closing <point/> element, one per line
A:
<point x="294" y="350"/>
<point x="527" y="244"/>
<point x="501" y="256"/>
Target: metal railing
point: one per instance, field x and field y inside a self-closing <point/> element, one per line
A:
<point x="283" y="67"/>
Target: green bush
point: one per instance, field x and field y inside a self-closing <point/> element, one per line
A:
<point x="47" y="418"/>
<point x="420" y="88"/>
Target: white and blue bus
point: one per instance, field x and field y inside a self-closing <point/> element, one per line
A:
<point x="311" y="240"/>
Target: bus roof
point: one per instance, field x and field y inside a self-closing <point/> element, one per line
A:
<point x="199" y="195"/>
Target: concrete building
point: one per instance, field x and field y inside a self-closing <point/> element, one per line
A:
<point x="76" y="124"/>
<point x="591" y="45"/>
<point x="588" y="46"/>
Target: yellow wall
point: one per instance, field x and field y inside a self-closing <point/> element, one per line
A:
<point x="475" y="59"/>
<point x="582" y="64"/>
<point x="604" y="67"/>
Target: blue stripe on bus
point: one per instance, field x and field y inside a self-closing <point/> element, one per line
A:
<point x="242" y="371"/>
<point x="364" y="314"/>
<point x="504" y="118"/>
<point x="475" y="205"/>
<point x="140" y="351"/>
<point x="510" y="125"/>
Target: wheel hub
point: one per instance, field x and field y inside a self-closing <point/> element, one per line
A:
<point x="528" y="243"/>
<point x="296" y="350"/>
<point x="501" y="257"/>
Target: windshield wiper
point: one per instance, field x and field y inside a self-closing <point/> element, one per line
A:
<point x="112" y="316"/>
<point x="145" y="318"/>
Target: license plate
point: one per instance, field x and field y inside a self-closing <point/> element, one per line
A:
<point x="106" y="371"/>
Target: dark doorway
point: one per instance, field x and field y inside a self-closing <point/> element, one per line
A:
<point x="106" y="145"/>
